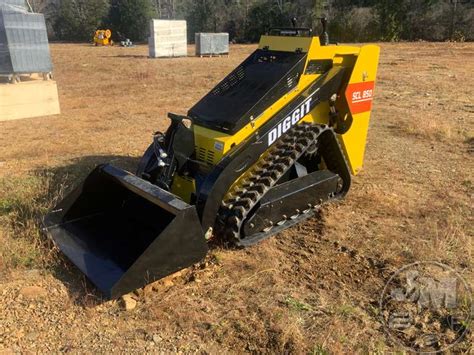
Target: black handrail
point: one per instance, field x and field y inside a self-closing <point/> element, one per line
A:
<point x="291" y="31"/>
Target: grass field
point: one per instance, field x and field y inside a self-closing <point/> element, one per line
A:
<point x="312" y="289"/>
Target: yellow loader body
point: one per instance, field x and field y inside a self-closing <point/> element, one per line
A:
<point x="277" y="138"/>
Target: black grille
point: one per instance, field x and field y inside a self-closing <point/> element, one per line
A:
<point x="205" y="155"/>
<point x="232" y="80"/>
<point x="251" y="88"/>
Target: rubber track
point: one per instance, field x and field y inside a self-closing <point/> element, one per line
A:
<point x="240" y="201"/>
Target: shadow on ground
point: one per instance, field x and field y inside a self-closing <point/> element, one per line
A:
<point x="125" y="56"/>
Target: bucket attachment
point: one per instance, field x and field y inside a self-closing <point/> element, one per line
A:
<point x="123" y="232"/>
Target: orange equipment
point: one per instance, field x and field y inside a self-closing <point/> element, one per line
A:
<point x="103" y="38"/>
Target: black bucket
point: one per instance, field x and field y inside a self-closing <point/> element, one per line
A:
<point x="123" y="232"/>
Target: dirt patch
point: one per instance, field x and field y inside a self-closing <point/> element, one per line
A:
<point x="312" y="289"/>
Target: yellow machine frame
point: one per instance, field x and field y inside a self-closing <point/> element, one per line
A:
<point x="364" y="63"/>
<point x="194" y="184"/>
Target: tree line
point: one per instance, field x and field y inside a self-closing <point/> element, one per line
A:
<point x="246" y="20"/>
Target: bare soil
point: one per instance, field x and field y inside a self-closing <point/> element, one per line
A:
<point x="312" y="289"/>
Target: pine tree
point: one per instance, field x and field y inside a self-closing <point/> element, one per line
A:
<point x="78" y="19"/>
<point x="391" y="15"/>
<point x="130" y="18"/>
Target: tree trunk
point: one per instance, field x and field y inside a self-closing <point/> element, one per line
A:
<point x="452" y="28"/>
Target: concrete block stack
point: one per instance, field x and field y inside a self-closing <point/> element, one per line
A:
<point x="24" y="44"/>
<point x="168" y="38"/>
<point x="209" y="44"/>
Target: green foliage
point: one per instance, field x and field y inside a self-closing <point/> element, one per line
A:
<point x="78" y="19"/>
<point x="297" y="305"/>
<point x="320" y="8"/>
<point x="130" y="18"/>
<point x="390" y="15"/>
<point x="202" y="16"/>
<point x="346" y="310"/>
<point x="6" y="206"/>
<point x="246" y="20"/>
<point x="263" y="17"/>
<point x="320" y="350"/>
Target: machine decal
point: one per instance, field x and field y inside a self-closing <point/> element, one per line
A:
<point x="219" y="146"/>
<point x="292" y="119"/>
<point x="360" y="96"/>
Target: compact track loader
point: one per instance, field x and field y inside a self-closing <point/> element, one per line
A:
<point x="279" y="136"/>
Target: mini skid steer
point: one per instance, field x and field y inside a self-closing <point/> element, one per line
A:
<point x="279" y="136"/>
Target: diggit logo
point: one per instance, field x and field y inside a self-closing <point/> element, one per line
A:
<point x="292" y="119"/>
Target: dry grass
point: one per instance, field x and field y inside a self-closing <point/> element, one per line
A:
<point x="429" y="127"/>
<point x="21" y="210"/>
<point x="313" y="289"/>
